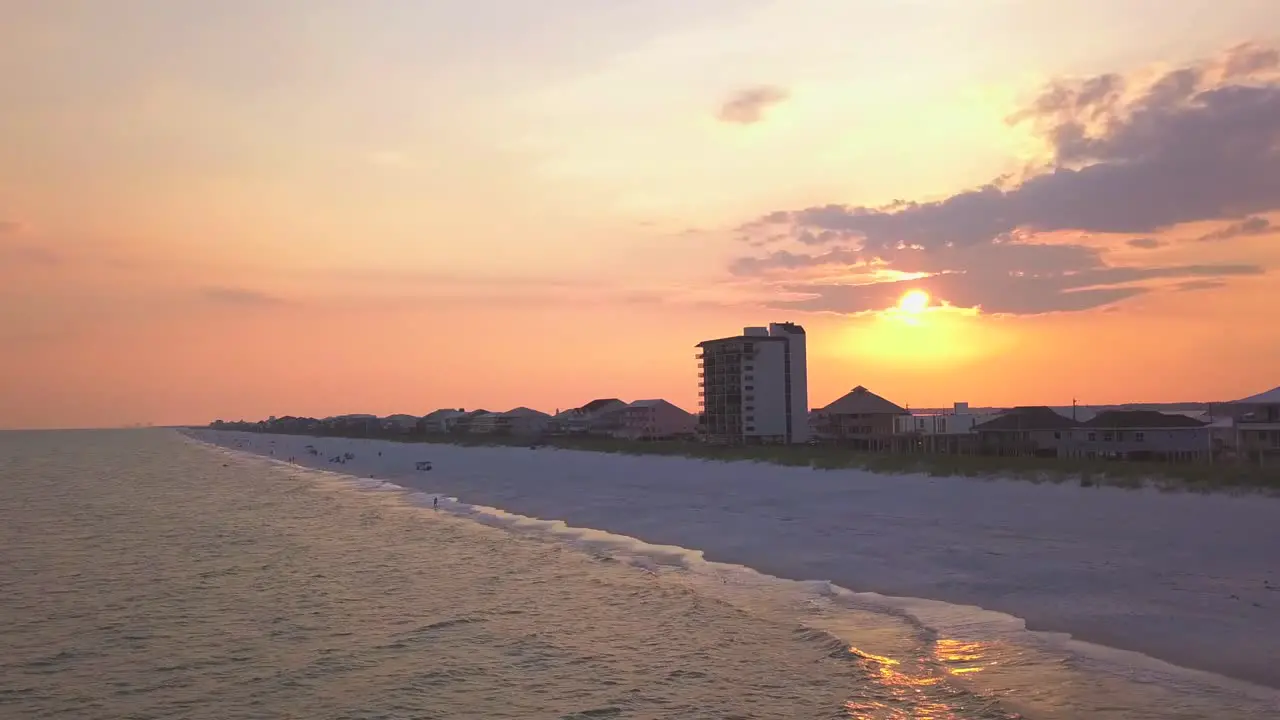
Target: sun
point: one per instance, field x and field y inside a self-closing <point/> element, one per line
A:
<point x="914" y="302"/>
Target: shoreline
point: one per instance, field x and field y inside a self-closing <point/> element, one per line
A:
<point x="1204" y="478"/>
<point x="1191" y="643"/>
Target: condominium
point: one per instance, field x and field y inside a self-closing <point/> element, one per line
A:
<point x="753" y="387"/>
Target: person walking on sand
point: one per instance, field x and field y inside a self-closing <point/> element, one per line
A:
<point x="435" y="503"/>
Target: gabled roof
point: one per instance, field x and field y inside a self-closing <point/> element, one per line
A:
<point x="649" y="403"/>
<point x="658" y="402"/>
<point x="1034" y="417"/>
<point x="443" y="413"/>
<point x="1142" y="419"/>
<point x="1269" y="397"/>
<point x="524" y="412"/>
<point x="600" y="404"/>
<point x="592" y="408"/>
<point x="861" y="401"/>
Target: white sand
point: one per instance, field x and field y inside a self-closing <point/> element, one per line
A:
<point x="1193" y="580"/>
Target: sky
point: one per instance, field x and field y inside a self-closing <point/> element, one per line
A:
<point x="314" y="207"/>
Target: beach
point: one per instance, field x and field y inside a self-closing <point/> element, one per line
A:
<point x="1185" y="580"/>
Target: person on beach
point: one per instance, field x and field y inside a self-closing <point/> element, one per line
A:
<point x="435" y="503"/>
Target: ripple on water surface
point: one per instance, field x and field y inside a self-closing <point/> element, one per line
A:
<point x="144" y="576"/>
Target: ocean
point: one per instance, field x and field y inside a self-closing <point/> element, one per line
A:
<point x="145" y="575"/>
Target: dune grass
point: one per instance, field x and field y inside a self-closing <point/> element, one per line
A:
<point x="1170" y="477"/>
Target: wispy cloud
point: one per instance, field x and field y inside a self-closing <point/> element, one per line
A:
<point x="238" y="296"/>
<point x="1144" y="243"/>
<point x="1196" y="144"/>
<point x="748" y="106"/>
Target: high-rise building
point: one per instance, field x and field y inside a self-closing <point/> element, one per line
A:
<point x="753" y="387"/>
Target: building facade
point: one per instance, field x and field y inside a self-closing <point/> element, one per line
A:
<point x="860" y="419"/>
<point x="1257" y="423"/>
<point x="654" y="420"/>
<point x="753" y="387"/>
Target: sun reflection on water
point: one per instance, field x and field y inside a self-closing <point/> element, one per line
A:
<point x="911" y="694"/>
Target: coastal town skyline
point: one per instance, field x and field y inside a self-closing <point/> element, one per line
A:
<point x="322" y="208"/>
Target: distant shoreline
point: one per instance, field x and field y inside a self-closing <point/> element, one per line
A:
<point x="1166" y="477"/>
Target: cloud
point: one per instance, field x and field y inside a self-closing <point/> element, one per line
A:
<point x="1144" y="243"/>
<point x="17" y="250"/>
<point x="1008" y="294"/>
<point x="1195" y="144"/>
<point x="238" y="296"/>
<point x="747" y="106"/>
<point x="1244" y="228"/>
<point x="28" y="255"/>
<point x="1193" y="285"/>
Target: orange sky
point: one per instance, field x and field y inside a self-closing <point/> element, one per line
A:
<point x="323" y="207"/>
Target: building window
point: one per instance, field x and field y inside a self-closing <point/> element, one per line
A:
<point x="748" y="397"/>
<point x="1108" y="437"/>
<point x="751" y="428"/>
<point x="748" y="347"/>
<point x="748" y="407"/>
<point x="748" y="387"/>
<point x="748" y="367"/>
<point x="1057" y="436"/>
<point x="1093" y="437"/>
<point x="751" y="418"/>
<point x="749" y="377"/>
<point x="1139" y="436"/>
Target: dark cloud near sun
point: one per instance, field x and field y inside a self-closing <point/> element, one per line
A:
<point x="1244" y="228"/>
<point x="748" y="106"/>
<point x="1196" y="144"/>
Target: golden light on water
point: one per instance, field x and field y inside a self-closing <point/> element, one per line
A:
<point x="902" y="691"/>
<point x="960" y="657"/>
<point x="906" y="696"/>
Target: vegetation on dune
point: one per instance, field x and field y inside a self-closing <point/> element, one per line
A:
<point x="1194" y="477"/>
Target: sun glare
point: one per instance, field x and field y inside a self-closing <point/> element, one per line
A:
<point x="914" y="302"/>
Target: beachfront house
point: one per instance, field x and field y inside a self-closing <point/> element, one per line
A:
<point x="474" y="422"/>
<point x="352" y="425"/>
<point x="654" y="420"/>
<point x="1257" y="423"/>
<point x="753" y="387"/>
<point x="860" y="419"/>
<point x="1028" y="430"/>
<point x="399" y="424"/>
<point x="941" y="432"/>
<point x="440" y="421"/>
<point x="593" y="418"/>
<point x="521" y="421"/>
<point x="1139" y="435"/>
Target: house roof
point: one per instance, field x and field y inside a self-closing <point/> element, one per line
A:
<point x="861" y="401"/>
<point x="647" y="403"/>
<point x="443" y="413"/>
<point x="658" y="402"/>
<point x="1034" y="417"/>
<point x="1142" y="419"/>
<point x="599" y="404"/>
<point x="524" y="412"/>
<point x="1269" y="397"/>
